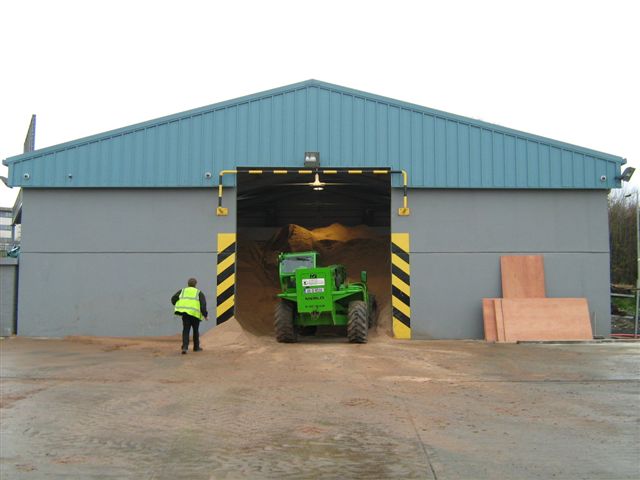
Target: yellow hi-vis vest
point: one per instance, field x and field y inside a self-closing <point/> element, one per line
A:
<point x="189" y="302"/>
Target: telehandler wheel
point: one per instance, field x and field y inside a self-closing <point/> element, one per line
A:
<point x="358" y="322"/>
<point x="373" y="311"/>
<point x="283" y="323"/>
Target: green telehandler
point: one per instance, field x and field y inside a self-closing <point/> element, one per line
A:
<point x="315" y="296"/>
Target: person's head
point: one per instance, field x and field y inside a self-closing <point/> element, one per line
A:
<point x="192" y="282"/>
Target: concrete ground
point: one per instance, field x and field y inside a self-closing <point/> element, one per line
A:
<point x="322" y="408"/>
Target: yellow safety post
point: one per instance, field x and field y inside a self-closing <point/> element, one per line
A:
<point x="404" y="211"/>
<point x="221" y="211"/>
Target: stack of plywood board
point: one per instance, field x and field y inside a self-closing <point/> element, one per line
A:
<point x="524" y="312"/>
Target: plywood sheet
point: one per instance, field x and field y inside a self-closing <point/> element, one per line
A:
<point x="497" y="306"/>
<point x="522" y="276"/>
<point x="489" y="318"/>
<point x="545" y="319"/>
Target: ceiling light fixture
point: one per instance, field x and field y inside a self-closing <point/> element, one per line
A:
<point x="317" y="184"/>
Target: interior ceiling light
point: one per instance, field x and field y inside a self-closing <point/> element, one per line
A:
<point x="317" y="184"/>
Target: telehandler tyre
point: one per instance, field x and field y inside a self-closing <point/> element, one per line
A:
<point x="283" y="323"/>
<point x="358" y="323"/>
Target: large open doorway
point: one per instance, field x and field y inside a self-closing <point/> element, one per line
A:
<point x="345" y="216"/>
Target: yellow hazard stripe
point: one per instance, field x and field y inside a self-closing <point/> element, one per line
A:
<point x="330" y="172"/>
<point x="226" y="263"/>
<point x="380" y="172"/>
<point x="226" y="305"/>
<point x="305" y="171"/>
<point x="225" y="240"/>
<point x="354" y="171"/>
<point x="401" y="240"/>
<point x="400" y="285"/>
<point x="228" y="283"/>
<point x="400" y="330"/>
<point x="279" y="172"/>
<point x="401" y="264"/>
<point x="399" y="304"/>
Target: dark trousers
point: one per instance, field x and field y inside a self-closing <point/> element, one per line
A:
<point x="189" y="322"/>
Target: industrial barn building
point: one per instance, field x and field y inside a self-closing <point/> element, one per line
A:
<point x="114" y="224"/>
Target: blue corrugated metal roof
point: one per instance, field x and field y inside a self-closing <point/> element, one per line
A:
<point x="348" y="128"/>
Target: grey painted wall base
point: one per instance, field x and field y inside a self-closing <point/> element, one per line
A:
<point x="447" y="289"/>
<point x="458" y="236"/>
<point x="106" y="262"/>
<point x="108" y="294"/>
<point x="8" y="290"/>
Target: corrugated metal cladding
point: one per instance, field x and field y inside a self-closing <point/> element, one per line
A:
<point x="348" y="128"/>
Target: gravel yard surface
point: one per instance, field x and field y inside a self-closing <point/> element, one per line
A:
<point x="248" y="407"/>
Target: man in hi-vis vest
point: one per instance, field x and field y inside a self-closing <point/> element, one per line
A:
<point x="191" y="304"/>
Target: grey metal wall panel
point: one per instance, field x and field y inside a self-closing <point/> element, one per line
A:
<point x="507" y="221"/>
<point x="348" y="127"/>
<point x="457" y="239"/>
<point x="8" y="290"/>
<point x="120" y="287"/>
<point x="123" y="220"/>
<point x="99" y="263"/>
<point x="108" y="294"/>
<point x="447" y="289"/>
<point x="583" y="275"/>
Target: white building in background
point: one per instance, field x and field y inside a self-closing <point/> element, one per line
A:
<point x="9" y="235"/>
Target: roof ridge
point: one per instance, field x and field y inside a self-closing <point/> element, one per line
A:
<point x="292" y="87"/>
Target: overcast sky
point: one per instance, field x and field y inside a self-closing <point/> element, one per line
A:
<point x="561" y="69"/>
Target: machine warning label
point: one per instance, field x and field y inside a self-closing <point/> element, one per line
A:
<point x="314" y="290"/>
<point x="311" y="282"/>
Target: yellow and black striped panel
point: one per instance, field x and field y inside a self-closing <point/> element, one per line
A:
<point x="401" y="285"/>
<point x="226" y="279"/>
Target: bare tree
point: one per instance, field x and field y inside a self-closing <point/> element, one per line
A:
<point x="623" y="234"/>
